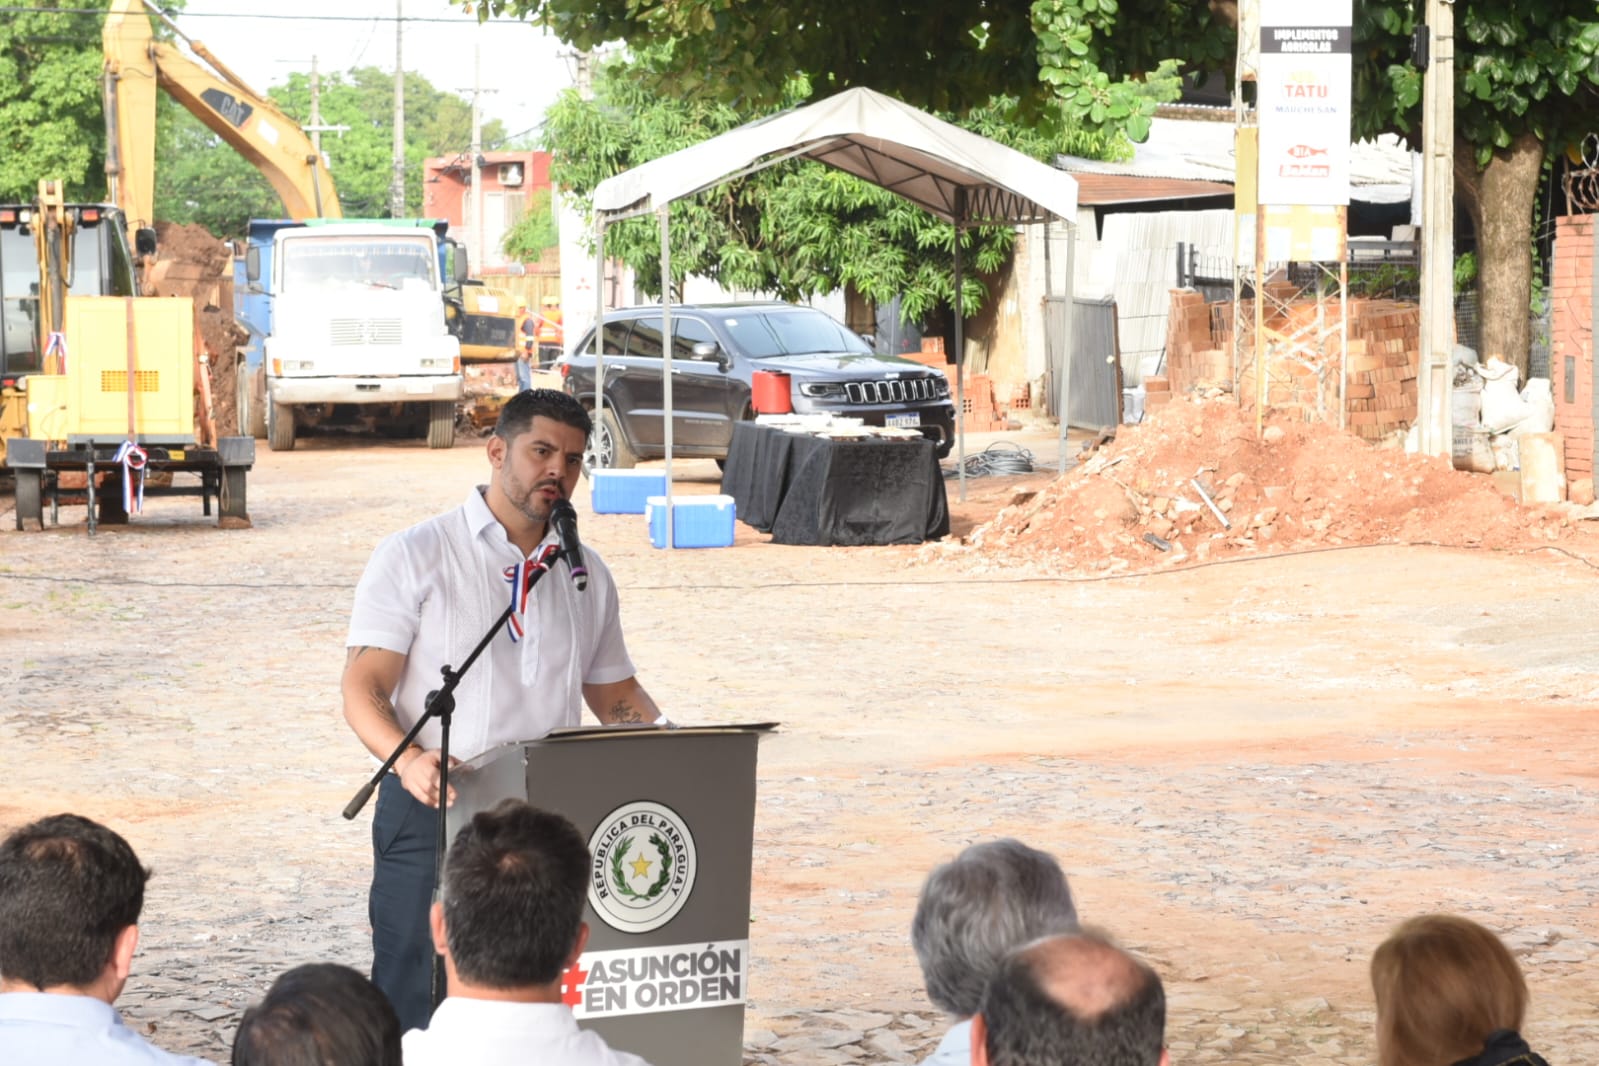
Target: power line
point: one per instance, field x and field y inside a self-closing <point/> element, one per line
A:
<point x="101" y="12"/>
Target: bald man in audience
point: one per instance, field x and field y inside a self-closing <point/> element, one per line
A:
<point x="1071" y="1001"/>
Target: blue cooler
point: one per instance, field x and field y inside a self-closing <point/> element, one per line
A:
<point x="624" y="491"/>
<point x="697" y="521"/>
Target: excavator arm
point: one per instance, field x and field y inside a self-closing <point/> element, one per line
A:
<point x="136" y="63"/>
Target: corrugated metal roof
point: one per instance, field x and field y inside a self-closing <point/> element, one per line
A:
<point x="1379" y="171"/>
<point x="1099" y="190"/>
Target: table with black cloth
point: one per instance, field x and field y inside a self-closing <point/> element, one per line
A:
<point x="804" y="489"/>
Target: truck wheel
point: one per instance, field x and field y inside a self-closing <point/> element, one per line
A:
<point x="441" y="424"/>
<point x="231" y="502"/>
<point x="280" y="427"/>
<point x="30" y="499"/>
<point x="608" y="449"/>
<point x="251" y="402"/>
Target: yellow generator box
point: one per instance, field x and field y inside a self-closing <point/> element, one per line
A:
<point x="47" y="406"/>
<point x="100" y="351"/>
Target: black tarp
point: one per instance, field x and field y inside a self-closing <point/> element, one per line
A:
<point x="809" y="490"/>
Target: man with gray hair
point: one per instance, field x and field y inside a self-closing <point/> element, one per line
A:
<point x="991" y="898"/>
<point x="1071" y="1001"/>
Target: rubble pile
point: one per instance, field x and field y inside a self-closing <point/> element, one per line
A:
<point x="1193" y="483"/>
<point x="191" y="262"/>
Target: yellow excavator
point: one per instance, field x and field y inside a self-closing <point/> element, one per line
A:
<point x="136" y="64"/>
<point x="99" y="386"/>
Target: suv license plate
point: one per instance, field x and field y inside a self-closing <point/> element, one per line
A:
<point x="909" y="421"/>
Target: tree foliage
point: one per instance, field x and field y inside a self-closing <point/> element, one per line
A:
<point x="1526" y="87"/>
<point x="535" y="231"/>
<point x="1528" y="68"/>
<point x="50" y="109"/>
<point x="797" y="229"/>
<point x="1086" y="63"/>
<point x="52" y="125"/>
<point x="200" y="179"/>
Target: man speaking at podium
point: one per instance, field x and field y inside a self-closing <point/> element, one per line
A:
<point x="428" y="595"/>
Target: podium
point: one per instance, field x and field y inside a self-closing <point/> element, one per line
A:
<point x="669" y="816"/>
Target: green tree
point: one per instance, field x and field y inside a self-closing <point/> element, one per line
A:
<point x="797" y="229"/>
<point x="51" y="123"/>
<point x="1526" y="87"/>
<point x="535" y="231"/>
<point x="200" y="179"/>
<point x="1103" y="61"/>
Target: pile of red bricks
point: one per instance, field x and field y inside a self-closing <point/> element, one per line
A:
<point x="1197" y="341"/>
<point x="932" y="353"/>
<point x="1157" y="390"/>
<point x="1383" y="355"/>
<point x="980" y="410"/>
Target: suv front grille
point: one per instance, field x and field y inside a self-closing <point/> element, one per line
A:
<point x="898" y="390"/>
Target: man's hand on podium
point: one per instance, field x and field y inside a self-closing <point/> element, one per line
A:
<point x="419" y="773"/>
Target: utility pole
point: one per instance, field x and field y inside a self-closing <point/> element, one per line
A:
<point x="585" y="76"/>
<point x="397" y="187"/>
<point x="316" y="110"/>
<point x="476" y="253"/>
<point x="1433" y="416"/>
<point x="316" y="129"/>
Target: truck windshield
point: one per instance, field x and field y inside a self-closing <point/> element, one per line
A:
<point x="367" y="262"/>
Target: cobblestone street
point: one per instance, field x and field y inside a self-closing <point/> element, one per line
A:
<point x="1250" y="771"/>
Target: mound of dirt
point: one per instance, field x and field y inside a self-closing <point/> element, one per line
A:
<point x="191" y="262"/>
<point x="1141" y="501"/>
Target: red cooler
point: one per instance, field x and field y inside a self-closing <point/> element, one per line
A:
<point x="769" y="392"/>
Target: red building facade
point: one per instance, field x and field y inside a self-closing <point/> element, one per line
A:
<point x="509" y="180"/>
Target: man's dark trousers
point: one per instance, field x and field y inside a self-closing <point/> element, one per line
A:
<point x="404" y="846"/>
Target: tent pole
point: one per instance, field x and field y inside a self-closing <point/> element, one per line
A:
<point x="960" y="374"/>
<point x="666" y="358"/>
<point x="1066" y="339"/>
<point x="599" y="324"/>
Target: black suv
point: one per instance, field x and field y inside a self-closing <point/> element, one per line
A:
<point x="716" y="348"/>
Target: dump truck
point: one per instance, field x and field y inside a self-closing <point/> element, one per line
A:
<point x="346" y="327"/>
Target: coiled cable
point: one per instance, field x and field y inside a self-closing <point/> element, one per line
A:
<point x="999" y="459"/>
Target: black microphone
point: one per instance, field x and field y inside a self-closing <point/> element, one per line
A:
<point x="565" y="519"/>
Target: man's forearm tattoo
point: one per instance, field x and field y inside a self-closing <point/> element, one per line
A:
<point x="623" y="711"/>
<point x="378" y="698"/>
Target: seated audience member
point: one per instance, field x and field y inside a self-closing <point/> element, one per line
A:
<point x="320" y="1014"/>
<point x="991" y="898"/>
<point x="1071" y="1001"/>
<point x="508" y="925"/>
<point x="70" y="895"/>
<point x="1448" y="994"/>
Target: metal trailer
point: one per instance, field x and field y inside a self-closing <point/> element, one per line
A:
<point x="38" y="468"/>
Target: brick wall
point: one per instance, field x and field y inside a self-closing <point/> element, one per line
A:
<point x="1384" y="353"/>
<point x="1571" y="342"/>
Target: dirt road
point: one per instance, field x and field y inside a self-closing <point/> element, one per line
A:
<point x="1251" y="771"/>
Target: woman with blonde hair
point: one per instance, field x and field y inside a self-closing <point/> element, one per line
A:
<point x="1448" y="994"/>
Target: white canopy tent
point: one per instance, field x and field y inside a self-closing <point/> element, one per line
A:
<point x="959" y="176"/>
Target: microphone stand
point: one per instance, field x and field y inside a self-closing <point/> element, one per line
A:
<point x="440" y="704"/>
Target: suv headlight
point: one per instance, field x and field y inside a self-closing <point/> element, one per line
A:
<point x="941" y="387"/>
<point x="822" y="390"/>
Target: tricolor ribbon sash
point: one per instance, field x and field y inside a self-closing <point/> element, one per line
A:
<point x="133" y="460"/>
<point x="57" y="345"/>
<point x="520" y="578"/>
